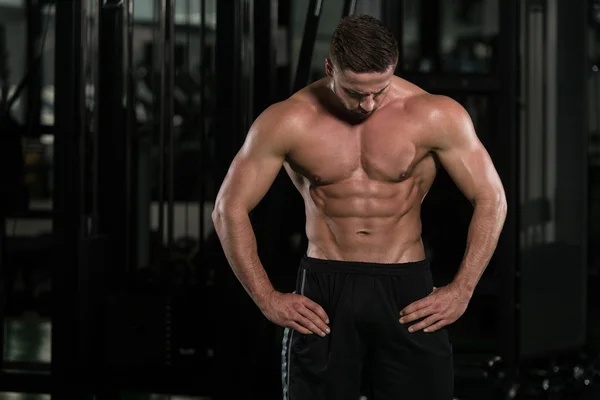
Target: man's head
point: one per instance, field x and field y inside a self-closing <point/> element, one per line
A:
<point x="362" y="58"/>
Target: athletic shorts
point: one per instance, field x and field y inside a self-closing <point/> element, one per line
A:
<point x="368" y="352"/>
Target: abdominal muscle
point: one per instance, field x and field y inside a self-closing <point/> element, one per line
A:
<point x="376" y="222"/>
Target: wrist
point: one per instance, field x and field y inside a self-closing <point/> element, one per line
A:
<point x="263" y="299"/>
<point x="463" y="288"/>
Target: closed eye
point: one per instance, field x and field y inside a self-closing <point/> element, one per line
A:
<point x="358" y="95"/>
<point x="355" y="95"/>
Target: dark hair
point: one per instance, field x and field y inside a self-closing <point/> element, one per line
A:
<point x="362" y="43"/>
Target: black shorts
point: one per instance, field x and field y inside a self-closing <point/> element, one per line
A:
<point x="368" y="352"/>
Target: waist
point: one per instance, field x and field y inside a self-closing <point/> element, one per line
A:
<point x="360" y="267"/>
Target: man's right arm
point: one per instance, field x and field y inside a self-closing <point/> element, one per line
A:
<point x="250" y="176"/>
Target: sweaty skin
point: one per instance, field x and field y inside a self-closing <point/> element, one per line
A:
<point x="361" y="152"/>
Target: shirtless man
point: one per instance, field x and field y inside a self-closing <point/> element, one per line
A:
<point x="359" y="146"/>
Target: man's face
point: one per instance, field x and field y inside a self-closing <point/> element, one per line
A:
<point x="360" y="93"/>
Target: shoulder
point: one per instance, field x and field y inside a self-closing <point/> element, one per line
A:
<point x="281" y="123"/>
<point x="426" y="106"/>
<point x="447" y="121"/>
<point x="436" y="108"/>
<point x="288" y="113"/>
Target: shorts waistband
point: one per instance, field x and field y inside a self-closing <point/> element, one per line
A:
<point x="360" y="267"/>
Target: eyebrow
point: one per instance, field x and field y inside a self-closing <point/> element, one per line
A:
<point x="364" y="94"/>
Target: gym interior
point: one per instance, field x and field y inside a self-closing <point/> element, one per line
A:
<point x="119" y="120"/>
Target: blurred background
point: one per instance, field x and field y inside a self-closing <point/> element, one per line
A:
<point x="118" y="122"/>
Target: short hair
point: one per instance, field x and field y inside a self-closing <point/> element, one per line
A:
<point x="362" y="43"/>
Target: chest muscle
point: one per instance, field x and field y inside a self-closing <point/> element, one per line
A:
<point x="337" y="152"/>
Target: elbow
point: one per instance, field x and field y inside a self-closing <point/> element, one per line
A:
<point x="496" y="201"/>
<point x="218" y="214"/>
<point x="501" y="205"/>
<point x="222" y="211"/>
<point x="503" y="209"/>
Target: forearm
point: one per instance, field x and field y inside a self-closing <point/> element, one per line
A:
<point x="239" y="245"/>
<point x="484" y="231"/>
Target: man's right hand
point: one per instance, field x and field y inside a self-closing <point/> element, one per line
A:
<point x="297" y="312"/>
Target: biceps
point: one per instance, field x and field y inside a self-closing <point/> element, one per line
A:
<point x="248" y="180"/>
<point x="472" y="171"/>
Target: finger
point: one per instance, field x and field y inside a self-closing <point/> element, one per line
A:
<point x="307" y="323"/>
<point x="299" y="328"/>
<point x="425" y="323"/>
<point x="436" y="327"/>
<point x="417" y="305"/>
<point x="323" y="328"/>
<point x="317" y="309"/>
<point x="417" y="315"/>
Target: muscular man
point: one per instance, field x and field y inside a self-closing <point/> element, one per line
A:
<point x="359" y="146"/>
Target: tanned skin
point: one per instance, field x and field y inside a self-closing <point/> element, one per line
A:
<point x="360" y="150"/>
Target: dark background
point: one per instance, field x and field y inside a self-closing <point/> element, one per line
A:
<point x="118" y="122"/>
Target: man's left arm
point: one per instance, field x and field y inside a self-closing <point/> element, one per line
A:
<point x="468" y="163"/>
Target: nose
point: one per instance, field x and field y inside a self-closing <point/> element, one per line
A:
<point x="368" y="104"/>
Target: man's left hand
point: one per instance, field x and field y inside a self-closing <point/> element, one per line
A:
<point x="442" y="307"/>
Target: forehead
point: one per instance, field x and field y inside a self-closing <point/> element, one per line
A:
<point x="367" y="82"/>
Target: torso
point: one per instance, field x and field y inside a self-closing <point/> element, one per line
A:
<point x="363" y="184"/>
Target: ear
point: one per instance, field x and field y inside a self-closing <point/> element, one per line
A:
<point x="329" y="67"/>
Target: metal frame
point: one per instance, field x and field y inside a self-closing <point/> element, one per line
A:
<point x="35" y="29"/>
<point x="507" y="250"/>
<point x="265" y="63"/>
<point x="430" y="32"/>
<point x="131" y="156"/>
<point x="2" y="288"/>
<point x="349" y="8"/>
<point x="159" y="112"/>
<point x="111" y="140"/>
<point x="167" y="118"/>
<point x="67" y="222"/>
<point x="202" y="132"/>
<point x="311" y="26"/>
